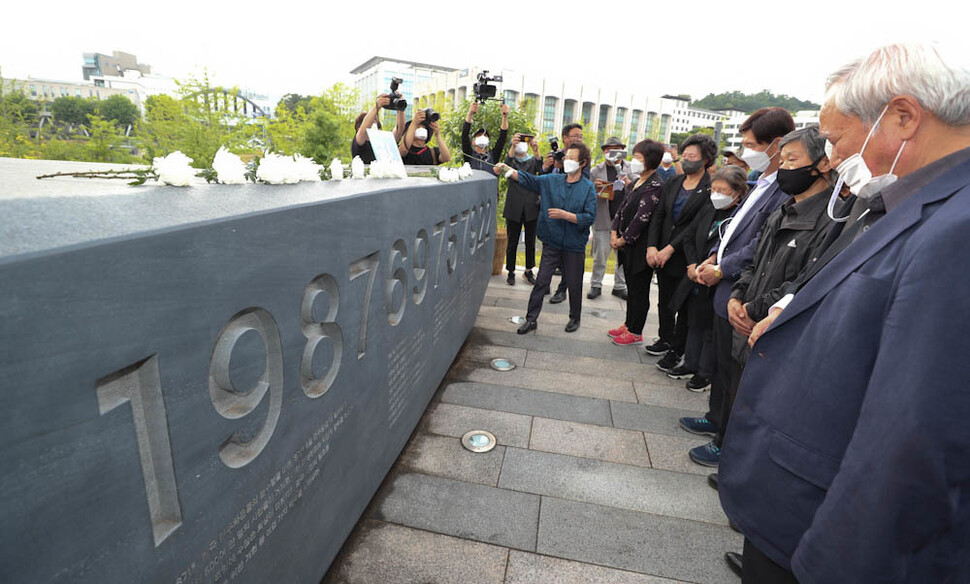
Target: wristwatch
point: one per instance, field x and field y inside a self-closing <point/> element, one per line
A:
<point x="717" y="272"/>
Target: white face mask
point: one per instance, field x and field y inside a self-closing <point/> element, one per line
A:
<point x="521" y="148"/>
<point x="720" y="200"/>
<point x="668" y="158"/>
<point x="636" y="166"/>
<point x="828" y="149"/>
<point x="854" y="171"/>
<point x="570" y="166"/>
<point x="421" y="134"/>
<point x="756" y="160"/>
<point x="481" y="141"/>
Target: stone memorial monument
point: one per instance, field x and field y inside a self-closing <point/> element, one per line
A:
<point x="208" y="384"/>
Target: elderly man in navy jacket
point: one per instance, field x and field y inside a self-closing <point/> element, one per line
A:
<point x="847" y="457"/>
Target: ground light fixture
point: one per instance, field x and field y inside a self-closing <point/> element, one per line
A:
<point x="478" y="441"/>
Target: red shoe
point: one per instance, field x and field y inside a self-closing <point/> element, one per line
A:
<point x="628" y="338"/>
<point x="617" y="331"/>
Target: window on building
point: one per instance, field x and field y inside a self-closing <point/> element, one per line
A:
<point x="587" y="113"/>
<point x="604" y="114"/>
<point x="634" y="126"/>
<point x="77" y="92"/>
<point x="568" y="111"/>
<point x="511" y="97"/>
<point x="664" y="123"/>
<point x="549" y="114"/>
<point x="33" y="91"/>
<point x="618" y="122"/>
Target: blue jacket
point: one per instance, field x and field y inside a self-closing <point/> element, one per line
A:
<point x="739" y="252"/>
<point x="847" y="457"/>
<point x="555" y="193"/>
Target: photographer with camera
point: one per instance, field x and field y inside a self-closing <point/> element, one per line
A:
<point x="360" y="145"/>
<point x="476" y="151"/>
<point x="414" y="147"/>
<point x="521" y="206"/>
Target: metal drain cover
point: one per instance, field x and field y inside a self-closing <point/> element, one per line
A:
<point x="502" y="365"/>
<point x="478" y="441"/>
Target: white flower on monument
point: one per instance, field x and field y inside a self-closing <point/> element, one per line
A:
<point x="357" y="167"/>
<point x="230" y="169"/>
<point x="465" y="171"/>
<point x="277" y="170"/>
<point x="174" y="169"/>
<point x="307" y="169"/>
<point x="379" y="169"/>
<point x="336" y="170"/>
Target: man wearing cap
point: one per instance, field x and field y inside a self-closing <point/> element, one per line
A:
<point x="609" y="195"/>
<point x="730" y="155"/>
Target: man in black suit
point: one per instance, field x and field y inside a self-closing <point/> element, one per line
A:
<point x="682" y="197"/>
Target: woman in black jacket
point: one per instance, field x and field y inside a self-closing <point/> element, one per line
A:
<point x="682" y="197"/>
<point x="628" y="235"/>
<point x="728" y="187"/>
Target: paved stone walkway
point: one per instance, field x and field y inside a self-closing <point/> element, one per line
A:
<point x="590" y="481"/>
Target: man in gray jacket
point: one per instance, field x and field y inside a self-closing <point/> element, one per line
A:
<point x="608" y="200"/>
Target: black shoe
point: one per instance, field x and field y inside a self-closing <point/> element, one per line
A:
<point x="621" y="294"/>
<point x="558" y="297"/>
<point x="529" y="325"/>
<point x="558" y="271"/>
<point x="594" y="292"/>
<point x="679" y="372"/>
<point x="669" y="361"/>
<point x="712" y="480"/>
<point x="511" y="279"/>
<point x="658" y="348"/>
<point x="572" y="325"/>
<point x="698" y="383"/>
<point x="734" y="561"/>
<point x="529" y="277"/>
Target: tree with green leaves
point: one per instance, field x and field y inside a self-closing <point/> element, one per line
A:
<point x="285" y="133"/>
<point x="489" y="116"/>
<point x="331" y="124"/>
<point x="119" y="110"/>
<point x="105" y="143"/>
<point x="68" y="109"/>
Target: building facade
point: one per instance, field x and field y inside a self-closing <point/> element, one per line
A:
<point x="114" y="65"/>
<point x="373" y="77"/>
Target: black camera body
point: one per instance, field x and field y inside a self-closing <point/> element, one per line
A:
<point x="397" y="102"/>
<point x="483" y="90"/>
<point x="557" y="154"/>
<point x="431" y="116"/>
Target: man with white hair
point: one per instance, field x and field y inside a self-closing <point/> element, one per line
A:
<point x="847" y="457"/>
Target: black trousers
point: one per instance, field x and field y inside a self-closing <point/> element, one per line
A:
<point x="721" y="380"/>
<point x="514" y="228"/>
<point x="638" y="299"/>
<point x="573" y="265"/>
<point x="758" y="568"/>
<point x="673" y="323"/>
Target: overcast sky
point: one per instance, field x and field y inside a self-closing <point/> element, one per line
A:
<point x="685" y="47"/>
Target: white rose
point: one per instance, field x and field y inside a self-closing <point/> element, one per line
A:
<point x="174" y="169"/>
<point x="277" y="170"/>
<point x="465" y="171"/>
<point x="357" y="167"/>
<point x="230" y="168"/>
<point x="306" y="168"/>
<point x="336" y="170"/>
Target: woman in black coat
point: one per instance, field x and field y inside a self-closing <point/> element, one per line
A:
<point x="628" y="236"/>
<point x="728" y="187"/>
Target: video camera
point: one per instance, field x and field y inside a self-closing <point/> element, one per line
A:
<point x="484" y="91"/>
<point x="557" y="154"/>
<point x="397" y="102"/>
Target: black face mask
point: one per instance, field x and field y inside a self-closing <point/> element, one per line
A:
<point x="692" y="166"/>
<point x="796" y="181"/>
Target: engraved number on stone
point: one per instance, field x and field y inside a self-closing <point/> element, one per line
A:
<point x="365" y="265"/>
<point x="464" y="234"/>
<point x="315" y="332"/>
<point x="483" y="233"/>
<point x="422" y="257"/>
<point x="475" y="218"/>
<point x="235" y="452"/>
<point x="452" y="253"/>
<point x="140" y="385"/>
<point x="398" y="275"/>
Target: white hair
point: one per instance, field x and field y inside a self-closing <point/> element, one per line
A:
<point x="937" y="76"/>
